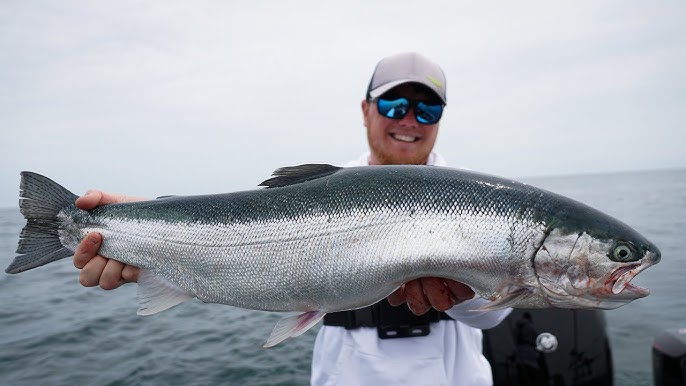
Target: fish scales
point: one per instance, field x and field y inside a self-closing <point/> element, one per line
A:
<point x="351" y="233"/>
<point x="322" y="239"/>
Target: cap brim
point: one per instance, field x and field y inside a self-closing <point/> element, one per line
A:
<point x="377" y="92"/>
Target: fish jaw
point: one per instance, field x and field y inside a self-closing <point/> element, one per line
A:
<point x="619" y="281"/>
<point x="574" y="271"/>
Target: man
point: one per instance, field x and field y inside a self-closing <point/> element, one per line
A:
<point x="378" y="345"/>
<point x="401" y="112"/>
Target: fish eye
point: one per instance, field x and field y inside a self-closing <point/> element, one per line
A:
<point x="622" y="253"/>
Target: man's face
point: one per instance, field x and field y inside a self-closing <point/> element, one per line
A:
<point x="399" y="141"/>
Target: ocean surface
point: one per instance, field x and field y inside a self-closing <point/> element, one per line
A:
<point x="55" y="332"/>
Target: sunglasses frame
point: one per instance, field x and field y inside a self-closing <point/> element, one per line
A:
<point x="412" y="103"/>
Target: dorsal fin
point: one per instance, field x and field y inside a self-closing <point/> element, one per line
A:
<point x="290" y="175"/>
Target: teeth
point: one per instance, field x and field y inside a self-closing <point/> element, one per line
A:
<point x="404" y="138"/>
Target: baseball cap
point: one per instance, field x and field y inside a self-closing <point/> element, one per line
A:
<point x="409" y="67"/>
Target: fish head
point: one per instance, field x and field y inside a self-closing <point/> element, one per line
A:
<point x="589" y="262"/>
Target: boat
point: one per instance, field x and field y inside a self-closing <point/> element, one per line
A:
<point x="550" y="347"/>
<point x="669" y="357"/>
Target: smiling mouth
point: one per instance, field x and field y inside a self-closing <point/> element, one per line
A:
<point x="404" y="138"/>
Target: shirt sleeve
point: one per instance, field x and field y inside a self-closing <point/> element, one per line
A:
<point x="467" y="313"/>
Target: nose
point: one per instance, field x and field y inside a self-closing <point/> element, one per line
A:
<point x="409" y="119"/>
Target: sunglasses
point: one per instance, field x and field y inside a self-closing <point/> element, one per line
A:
<point x="425" y="113"/>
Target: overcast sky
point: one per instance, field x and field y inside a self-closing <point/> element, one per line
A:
<point x="152" y="98"/>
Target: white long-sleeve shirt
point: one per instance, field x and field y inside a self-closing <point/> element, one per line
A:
<point x="450" y="355"/>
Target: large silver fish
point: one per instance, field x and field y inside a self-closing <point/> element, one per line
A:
<point x="321" y="239"/>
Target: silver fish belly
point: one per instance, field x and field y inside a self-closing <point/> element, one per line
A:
<point x="320" y="239"/>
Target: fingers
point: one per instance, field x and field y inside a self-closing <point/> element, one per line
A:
<point x="418" y="302"/>
<point x="437" y="293"/>
<point x="111" y="276"/>
<point x="130" y="273"/>
<point x="92" y="270"/>
<point x="104" y="272"/>
<point x="424" y="293"/>
<point x="95" y="197"/>
<point x="98" y="270"/>
<point x="87" y="249"/>
<point x="427" y="292"/>
<point x="90" y="200"/>
<point x="95" y="269"/>
<point x="460" y="291"/>
<point x="397" y="297"/>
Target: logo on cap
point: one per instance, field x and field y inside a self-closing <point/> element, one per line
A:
<point x="434" y="81"/>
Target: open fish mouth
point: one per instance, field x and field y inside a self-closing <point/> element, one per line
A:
<point x="620" y="280"/>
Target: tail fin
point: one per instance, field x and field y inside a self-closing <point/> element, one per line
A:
<point x="41" y="199"/>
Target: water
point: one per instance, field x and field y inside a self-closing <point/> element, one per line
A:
<point x="53" y="331"/>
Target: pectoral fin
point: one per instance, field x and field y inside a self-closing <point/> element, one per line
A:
<point x="514" y="297"/>
<point x="293" y="326"/>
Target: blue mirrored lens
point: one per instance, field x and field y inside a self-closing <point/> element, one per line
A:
<point x="428" y="114"/>
<point x="394" y="109"/>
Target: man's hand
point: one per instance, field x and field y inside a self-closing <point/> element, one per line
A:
<point x="426" y="292"/>
<point x="95" y="269"/>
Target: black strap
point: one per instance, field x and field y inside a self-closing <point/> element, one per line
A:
<point x="390" y="321"/>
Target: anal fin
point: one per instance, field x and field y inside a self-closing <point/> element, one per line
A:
<point x="292" y="326"/>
